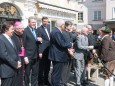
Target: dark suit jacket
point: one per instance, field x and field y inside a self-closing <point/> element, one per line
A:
<point x="107" y="49"/>
<point x="92" y="40"/>
<point x="58" y="46"/>
<point x="68" y="36"/>
<point x="30" y="44"/>
<point x="8" y="57"/>
<point x="17" y="42"/>
<point x="44" y="46"/>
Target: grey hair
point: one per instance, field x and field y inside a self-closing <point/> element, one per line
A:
<point x="88" y="26"/>
<point x="83" y="29"/>
<point x="59" y="23"/>
<point x="78" y="30"/>
<point x="31" y="17"/>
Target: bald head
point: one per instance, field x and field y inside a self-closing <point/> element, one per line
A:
<point x="78" y="31"/>
<point x="89" y="28"/>
<point x="60" y="24"/>
<point x="84" y="31"/>
<point x="74" y="28"/>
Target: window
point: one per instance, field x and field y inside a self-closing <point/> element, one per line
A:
<point x="113" y="13"/>
<point x="97" y="15"/>
<point x="97" y="0"/>
<point x="80" y="16"/>
<point x="80" y="0"/>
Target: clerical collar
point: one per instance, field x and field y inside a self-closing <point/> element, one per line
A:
<point x="17" y="34"/>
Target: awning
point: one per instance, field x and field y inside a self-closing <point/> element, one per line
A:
<point x="109" y="21"/>
<point x="94" y="26"/>
<point x="56" y="8"/>
<point x="97" y="26"/>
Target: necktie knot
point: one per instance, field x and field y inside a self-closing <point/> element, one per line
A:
<point x="11" y="42"/>
<point x="32" y="29"/>
<point x="33" y="32"/>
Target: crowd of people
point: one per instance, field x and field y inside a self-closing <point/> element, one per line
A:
<point x="26" y="54"/>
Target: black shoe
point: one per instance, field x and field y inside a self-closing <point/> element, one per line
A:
<point x="84" y="83"/>
<point x="47" y="83"/>
<point x="40" y="84"/>
<point x="78" y="85"/>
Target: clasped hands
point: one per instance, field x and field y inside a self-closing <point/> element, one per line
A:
<point x="39" y="39"/>
<point x="71" y="52"/>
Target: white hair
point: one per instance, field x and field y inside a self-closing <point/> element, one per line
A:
<point x="59" y="23"/>
<point x="78" y="30"/>
<point x="84" y="29"/>
<point x="88" y="26"/>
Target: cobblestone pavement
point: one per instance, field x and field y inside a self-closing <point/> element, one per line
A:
<point x="98" y="81"/>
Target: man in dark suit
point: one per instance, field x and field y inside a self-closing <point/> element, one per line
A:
<point x="58" y="52"/>
<point x="44" y="64"/>
<point x="107" y="55"/>
<point x="17" y="38"/>
<point x="8" y="56"/>
<point x="92" y="42"/>
<point x="91" y="36"/>
<point x="30" y="41"/>
<point x="67" y="65"/>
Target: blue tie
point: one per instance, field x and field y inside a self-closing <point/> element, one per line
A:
<point x="34" y="34"/>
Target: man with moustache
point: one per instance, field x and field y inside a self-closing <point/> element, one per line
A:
<point x="10" y="62"/>
<point x="31" y="41"/>
<point x="107" y="55"/>
<point x="44" y="64"/>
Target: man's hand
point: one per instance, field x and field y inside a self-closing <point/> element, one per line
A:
<point x="40" y="55"/>
<point x="26" y="60"/>
<point x="19" y="65"/>
<point x="93" y="51"/>
<point x="90" y="47"/>
<point x="39" y="39"/>
<point x="71" y="52"/>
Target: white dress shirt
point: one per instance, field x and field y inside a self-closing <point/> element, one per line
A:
<point x="9" y="39"/>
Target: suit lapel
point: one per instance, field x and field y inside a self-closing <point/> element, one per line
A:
<point x="45" y="32"/>
<point x="62" y="37"/>
<point x="14" y="45"/>
<point x="29" y="32"/>
<point x="6" y="40"/>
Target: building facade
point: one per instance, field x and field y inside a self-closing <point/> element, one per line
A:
<point x="20" y="10"/>
<point x="17" y="10"/>
<point x="91" y="12"/>
<point x="110" y="14"/>
<point x="57" y="9"/>
<point x="97" y="13"/>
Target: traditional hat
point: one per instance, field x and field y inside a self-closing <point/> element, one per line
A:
<point x="106" y="29"/>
